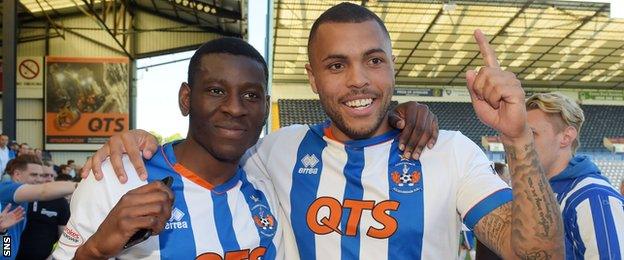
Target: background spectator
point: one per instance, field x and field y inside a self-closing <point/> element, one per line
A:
<point x="5" y="152"/>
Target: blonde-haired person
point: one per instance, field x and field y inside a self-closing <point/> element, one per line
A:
<point x="593" y="211"/>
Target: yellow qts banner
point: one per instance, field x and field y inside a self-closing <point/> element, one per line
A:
<point x="86" y="101"/>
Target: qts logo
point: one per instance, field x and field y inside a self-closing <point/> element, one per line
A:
<point x="245" y="254"/>
<point x="331" y="223"/>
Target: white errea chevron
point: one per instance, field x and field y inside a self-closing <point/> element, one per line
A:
<point x="176" y="215"/>
<point x="309" y="161"/>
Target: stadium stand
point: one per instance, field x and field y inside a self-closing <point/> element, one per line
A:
<point x="601" y="121"/>
<point x="612" y="169"/>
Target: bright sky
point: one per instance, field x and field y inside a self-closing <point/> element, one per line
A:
<point x="157" y="87"/>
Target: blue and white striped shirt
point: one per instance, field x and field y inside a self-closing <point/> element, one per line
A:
<point x="362" y="200"/>
<point x="592" y="210"/>
<point x="234" y="220"/>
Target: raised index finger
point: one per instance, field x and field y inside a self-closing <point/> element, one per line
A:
<point x="488" y="54"/>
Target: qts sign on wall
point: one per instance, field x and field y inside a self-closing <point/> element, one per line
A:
<point x="86" y="101"/>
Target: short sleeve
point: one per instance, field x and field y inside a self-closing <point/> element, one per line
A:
<point x="7" y="191"/>
<point x="90" y="204"/>
<point x="480" y="189"/>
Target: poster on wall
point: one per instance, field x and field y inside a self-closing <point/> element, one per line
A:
<point x="86" y="101"/>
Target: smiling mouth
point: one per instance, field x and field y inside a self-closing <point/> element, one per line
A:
<point x="359" y="103"/>
<point x="231" y="131"/>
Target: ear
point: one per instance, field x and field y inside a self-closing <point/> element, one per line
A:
<point x="310" y="73"/>
<point x="184" y="99"/>
<point x="569" y="135"/>
<point x="17" y="173"/>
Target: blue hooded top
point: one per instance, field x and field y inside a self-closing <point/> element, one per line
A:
<point x="592" y="211"/>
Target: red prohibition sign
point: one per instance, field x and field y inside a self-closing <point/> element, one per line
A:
<point x="28" y="69"/>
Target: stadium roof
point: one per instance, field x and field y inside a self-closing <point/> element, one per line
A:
<point x="200" y="13"/>
<point x="223" y="17"/>
<point x="553" y="44"/>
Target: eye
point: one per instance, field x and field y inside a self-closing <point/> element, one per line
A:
<point x="250" y="96"/>
<point x="375" y="61"/>
<point x="336" y="66"/>
<point x="216" y="91"/>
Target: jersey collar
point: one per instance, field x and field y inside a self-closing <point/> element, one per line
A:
<point x="169" y="155"/>
<point x="323" y="130"/>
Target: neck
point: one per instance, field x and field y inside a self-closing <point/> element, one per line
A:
<point x="340" y="136"/>
<point x="194" y="157"/>
<point x="16" y="179"/>
<point x="559" y="165"/>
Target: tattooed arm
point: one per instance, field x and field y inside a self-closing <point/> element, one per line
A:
<point x="530" y="226"/>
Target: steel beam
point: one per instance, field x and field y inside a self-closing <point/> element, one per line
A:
<point x="102" y="24"/>
<point x="435" y="19"/>
<point x="9" y="59"/>
<point x="584" y="21"/>
<point x="501" y="30"/>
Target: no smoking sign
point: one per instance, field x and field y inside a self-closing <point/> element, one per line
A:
<point x="29" y="69"/>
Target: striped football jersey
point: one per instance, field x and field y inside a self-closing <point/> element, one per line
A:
<point x="363" y="200"/>
<point x="593" y="218"/>
<point x="234" y="220"/>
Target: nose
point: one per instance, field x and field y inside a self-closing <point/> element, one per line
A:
<point x="234" y="106"/>
<point x="357" y="76"/>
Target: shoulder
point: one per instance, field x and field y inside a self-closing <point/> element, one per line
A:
<point x="9" y="184"/>
<point x="454" y="145"/>
<point x="8" y="189"/>
<point x="589" y="188"/>
<point x="285" y="133"/>
<point x="110" y="184"/>
<point x="283" y="139"/>
<point x="452" y="139"/>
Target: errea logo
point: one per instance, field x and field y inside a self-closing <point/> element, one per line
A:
<point x="309" y="164"/>
<point x="175" y="222"/>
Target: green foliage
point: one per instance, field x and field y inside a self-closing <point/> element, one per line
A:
<point x="158" y="136"/>
<point x="162" y="140"/>
<point x="171" y="138"/>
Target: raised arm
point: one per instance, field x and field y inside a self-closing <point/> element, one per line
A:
<point x="530" y="226"/>
<point x="44" y="192"/>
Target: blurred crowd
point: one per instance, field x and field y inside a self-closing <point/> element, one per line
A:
<point x="11" y="149"/>
<point x="36" y="188"/>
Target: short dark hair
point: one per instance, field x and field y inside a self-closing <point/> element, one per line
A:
<point x="21" y="162"/>
<point x="70" y="161"/>
<point x="229" y="45"/>
<point x="345" y="13"/>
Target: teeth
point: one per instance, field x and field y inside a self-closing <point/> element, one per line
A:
<point x="358" y="103"/>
